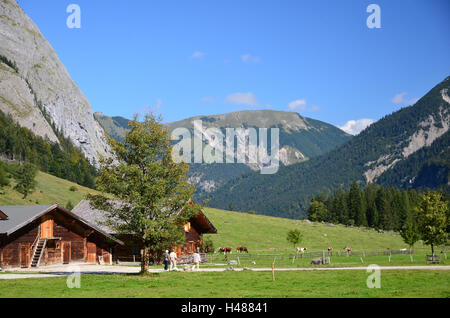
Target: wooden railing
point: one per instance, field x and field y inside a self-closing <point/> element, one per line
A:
<point x="35" y="244"/>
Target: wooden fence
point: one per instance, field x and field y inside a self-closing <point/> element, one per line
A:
<point x="316" y="254"/>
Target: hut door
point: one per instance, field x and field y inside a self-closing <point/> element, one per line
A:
<point x="91" y="252"/>
<point x="66" y="252"/>
<point x="47" y="228"/>
<point x="24" y="255"/>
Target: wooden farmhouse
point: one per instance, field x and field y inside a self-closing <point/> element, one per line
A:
<point x="49" y="234"/>
<point x="131" y="250"/>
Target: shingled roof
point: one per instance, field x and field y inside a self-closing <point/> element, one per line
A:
<point x="19" y="216"/>
<point x="84" y="210"/>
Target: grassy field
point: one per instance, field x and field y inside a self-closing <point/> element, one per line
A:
<point x="339" y="284"/>
<point x="264" y="234"/>
<point x="49" y="190"/>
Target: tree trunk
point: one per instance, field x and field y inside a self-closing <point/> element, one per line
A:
<point x="145" y="260"/>
<point x="432" y="250"/>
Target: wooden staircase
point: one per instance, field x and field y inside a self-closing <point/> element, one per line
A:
<point x="38" y="251"/>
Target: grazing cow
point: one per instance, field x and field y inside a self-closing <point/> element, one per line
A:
<point x="330" y="251"/>
<point x="225" y="250"/>
<point x="242" y="249"/>
<point x="301" y="250"/>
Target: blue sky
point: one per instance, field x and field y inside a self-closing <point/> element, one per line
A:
<point x="187" y="58"/>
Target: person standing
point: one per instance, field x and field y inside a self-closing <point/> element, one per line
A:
<point x="166" y="260"/>
<point x="197" y="260"/>
<point x="173" y="260"/>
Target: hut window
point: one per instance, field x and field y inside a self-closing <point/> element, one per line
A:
<point x="187" y="227"/>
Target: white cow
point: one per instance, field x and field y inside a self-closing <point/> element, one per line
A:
<point x="301" y="250"/>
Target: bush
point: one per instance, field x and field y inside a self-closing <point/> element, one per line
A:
<point x="207" y="246"/>
<point x="69" y="206"/>
<point x="73" y="188"/>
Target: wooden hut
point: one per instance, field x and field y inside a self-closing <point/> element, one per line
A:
<point x="31" y="236"/>
<point x="131" y="250"/>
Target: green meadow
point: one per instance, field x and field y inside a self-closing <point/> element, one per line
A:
<point x="49" y="190"/>
<point x="339" y="284"/>
<point x="265" y="234"/>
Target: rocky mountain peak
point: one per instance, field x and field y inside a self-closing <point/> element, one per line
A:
<point x="40" y="90"/>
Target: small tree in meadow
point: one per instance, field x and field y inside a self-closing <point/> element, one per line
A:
<point x="294" y="237"/>
<point x="432" y="213"/>
<point x="25" y="179"/>
<point x="410" y="232"/>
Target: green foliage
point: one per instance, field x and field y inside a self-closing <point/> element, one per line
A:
<point x="73" y="188"/>
<point x="372" y="206"/>
<point x="207" y="246"/>
<point x="317" y="211"/>
<point x="69" y="205"/>
<point x="10" y="63"/>
<point x="152" y="190"/>
<point x="251" y="212"/>
<point x="294" y="237"/>
<point x="4" y="181"/>
<point x="410" y="232"/>
<point x="432" y="214"/>
<point x="26" y="182"/>
<point x="64" y="160"/>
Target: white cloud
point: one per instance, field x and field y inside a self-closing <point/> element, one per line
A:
<point x="150" y="109"/>
<point x="197" y="55"/>
<point x="400" y="99"/>
<point x="354" y="127"/>
<point x="248" y="58"/>
<point x="207" y="99"/>
<point x="298" y="105"/>
<point x="242" y="99"/>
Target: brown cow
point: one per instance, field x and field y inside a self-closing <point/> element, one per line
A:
<point x="242" y="249"/>
<point x="225" y="250"/>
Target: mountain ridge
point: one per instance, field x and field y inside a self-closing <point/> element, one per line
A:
<point x="381" y="147"/>
<point x="301" y="138"/>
